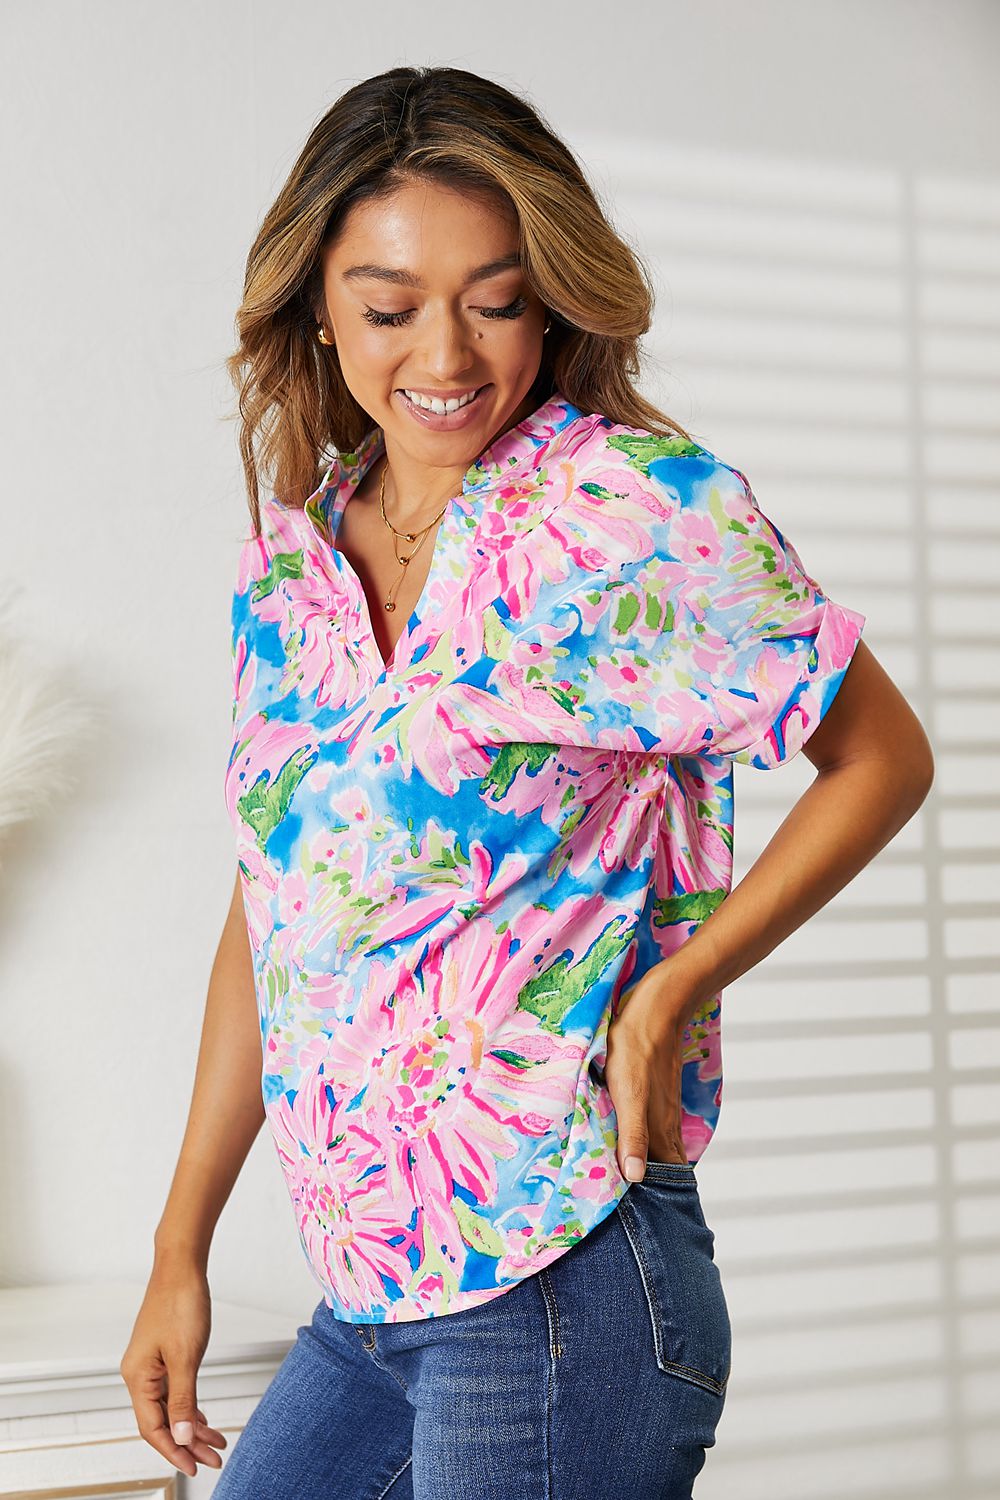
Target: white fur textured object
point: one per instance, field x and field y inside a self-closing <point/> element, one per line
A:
<point x="42" y="727"/>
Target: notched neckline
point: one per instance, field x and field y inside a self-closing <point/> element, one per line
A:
<point x="344" y="487"/>
<point x="325" y="507"/>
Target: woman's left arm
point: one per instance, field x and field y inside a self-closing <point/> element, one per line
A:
<point x="874" y="767"/>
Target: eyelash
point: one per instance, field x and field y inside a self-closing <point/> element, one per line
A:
<point x="395" y="320"/>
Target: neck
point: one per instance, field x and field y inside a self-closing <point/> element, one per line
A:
<point x="415" y="491"/>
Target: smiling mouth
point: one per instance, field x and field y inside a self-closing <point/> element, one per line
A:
<point x="442" y="404"/>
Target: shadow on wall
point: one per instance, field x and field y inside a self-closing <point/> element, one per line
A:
<point x="841" y="325"/>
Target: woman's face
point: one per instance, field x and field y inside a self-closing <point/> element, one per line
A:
<point x="424" y="293"/>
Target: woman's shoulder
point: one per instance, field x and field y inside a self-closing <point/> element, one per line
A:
<point x="657" y="465"/>
<point x="629" y="488"/>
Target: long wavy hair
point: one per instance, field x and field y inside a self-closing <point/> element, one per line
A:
<point x="461" y="131"/>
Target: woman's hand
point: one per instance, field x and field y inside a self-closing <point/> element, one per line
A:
<point x="160" y="1367"/>
<point x="643" y="1073"/>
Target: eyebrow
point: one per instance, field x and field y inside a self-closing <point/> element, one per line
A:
<point x="395" y="277"/>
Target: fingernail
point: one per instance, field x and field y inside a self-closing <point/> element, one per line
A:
<point x="183" y="1432"/>
<point x="635" y="1168"/>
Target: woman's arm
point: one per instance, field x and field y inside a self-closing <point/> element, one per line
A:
<point x="173" y="1325"/>
<point x="227" y="1107"/>
<point x="874" y="769"/>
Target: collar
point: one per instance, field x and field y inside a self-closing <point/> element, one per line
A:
<point x="528" y="442"/>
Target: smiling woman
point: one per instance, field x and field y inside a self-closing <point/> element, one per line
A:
<point x="429" y="258"/>
<point x="455" y="343"/>
<point x="451" y="361"/>
<point x="493" y="664"/>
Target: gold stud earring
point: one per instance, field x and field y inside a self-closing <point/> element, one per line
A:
<point x="321" y="335"/>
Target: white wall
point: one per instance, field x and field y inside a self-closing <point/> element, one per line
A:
<point x="818" y="190"/>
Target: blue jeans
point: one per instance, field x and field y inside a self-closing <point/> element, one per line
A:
<point x="600" y="1376"/>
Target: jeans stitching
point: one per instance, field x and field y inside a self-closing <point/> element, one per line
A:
<point x="698" y="1377"/>
<point x="652" y="1304"/>
<point x="386" y="1369"/>
<point x="361" y="1327"/>
<point x="671" y="1366"/>
<point x="397" y="1378"/>
<point x="678" y="1170"/>
<point x="552" y="1313"/>
<point x="551" y="1307"/>
<point x="382" y="1493"/>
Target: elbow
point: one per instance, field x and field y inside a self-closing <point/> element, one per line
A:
<point x="917" y="769"/>
<point x="927" y="779"/>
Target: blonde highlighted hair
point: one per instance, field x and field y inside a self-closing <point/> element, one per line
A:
<point x="462" y="131"/>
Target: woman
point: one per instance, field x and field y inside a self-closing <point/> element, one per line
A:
<point x="491" y="674"/>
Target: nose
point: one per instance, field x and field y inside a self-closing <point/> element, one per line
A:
<point x="448" y="350"/>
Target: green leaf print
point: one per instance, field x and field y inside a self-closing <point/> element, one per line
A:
<point x="263" y="805"/>
<point x="476" y="1231"/>
<point x="441" y="853"/>
<point x="757" y="555"/>
<point x="433" y="1263"/>
<point x="550" y="995"/>
<point x="283" y="565"/>
<point x="496" y="637"/>
<point x="692" y="906"/>
<point x="510" y="759"/>
<point x="314" y="509"/>
<point x="626" y="614"/>
<point x="643" y="448"/>
<point x="601" y="491"/>
<point x="514" y="1059"/>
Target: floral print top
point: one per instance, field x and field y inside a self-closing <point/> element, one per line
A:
<point x="456" y="864"/>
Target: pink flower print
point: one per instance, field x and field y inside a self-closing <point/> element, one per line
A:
<point x="460" y="885"/>
<point x="544" y="712"/>
<point x="439" y="737"/>
<point x="505" y="511"/>
<point x="294" y="899"/>
<point x="442" y="1080"/>
<point x="357" y="881"/>
<point x="253" y="562"/>
<point x="692" y="858"/>
<point x="838" y="629"/>
<point x="269" y="759"/>
<point x="608" y="801"/>
<point x="517" y="571"/>
<point x="696" y="1133"/>
<point x="694" y="538"/>
<point x="329" y="991"/>
<point x="611" y="520"/>
<point x="316" y="616"/>
<point x="347" y="1224"/>
<point x="772" y="678"/>
<point x="244" y="677"/>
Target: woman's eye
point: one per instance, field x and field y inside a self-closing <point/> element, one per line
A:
<point x="512" y="310"/>
<point x="396" y="319"/>
<point x="384" y="319"/>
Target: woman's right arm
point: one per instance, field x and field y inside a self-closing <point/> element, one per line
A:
<point x="172" y="1328"/>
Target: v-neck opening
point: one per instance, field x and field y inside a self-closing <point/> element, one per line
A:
<point x="326" y="507"/>
<point x="369" y="453"/>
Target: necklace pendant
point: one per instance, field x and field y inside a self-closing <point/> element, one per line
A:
<point x="403" y="560"/>
<point x="389" y="605"/>
<point x="409" y="536"/>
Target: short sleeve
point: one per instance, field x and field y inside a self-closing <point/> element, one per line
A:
<point x="251" y="564"/>
<point x="707" y="637"/>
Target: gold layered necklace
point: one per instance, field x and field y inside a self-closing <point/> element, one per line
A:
<point x="405" y="536"/>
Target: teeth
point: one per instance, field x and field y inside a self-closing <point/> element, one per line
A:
<point x="433" y="403"/>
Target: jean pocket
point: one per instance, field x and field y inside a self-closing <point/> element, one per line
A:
<point x="682" y="1171"/>
<point x="674" y="1251"/>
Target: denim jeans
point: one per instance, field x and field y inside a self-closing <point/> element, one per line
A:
<point x="601" y="1376"/>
